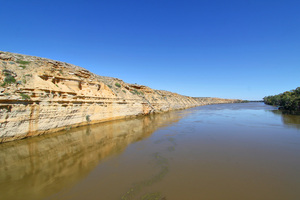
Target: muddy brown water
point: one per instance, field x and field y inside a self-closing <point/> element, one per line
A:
<point x="231" y="151"/>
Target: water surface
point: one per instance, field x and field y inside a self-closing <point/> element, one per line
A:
<point x="227" y="151"/>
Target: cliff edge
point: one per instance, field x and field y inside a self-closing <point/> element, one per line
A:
<point x="39" y="95"/>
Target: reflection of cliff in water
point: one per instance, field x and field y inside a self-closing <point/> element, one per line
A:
<point x="38" y="167"/>
<point x="289" y="118"/>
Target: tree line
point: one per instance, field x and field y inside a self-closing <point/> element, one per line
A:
<point x="289" y="100"/>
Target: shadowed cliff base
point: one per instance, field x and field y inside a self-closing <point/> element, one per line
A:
<point x="39" y="96"/>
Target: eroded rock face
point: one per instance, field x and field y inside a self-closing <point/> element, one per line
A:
<point x="39" y="95"/>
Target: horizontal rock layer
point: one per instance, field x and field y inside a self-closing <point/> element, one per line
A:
<point x="39" y="95"/>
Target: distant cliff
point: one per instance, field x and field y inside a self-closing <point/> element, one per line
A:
<point x="39" y="95"/>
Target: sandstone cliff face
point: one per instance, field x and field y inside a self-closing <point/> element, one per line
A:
<point x="39" y="95"/>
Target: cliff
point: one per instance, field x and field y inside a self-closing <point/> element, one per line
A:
<point x="39" y="96"/>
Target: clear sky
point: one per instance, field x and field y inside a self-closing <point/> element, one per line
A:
<point x="244" y="49"/>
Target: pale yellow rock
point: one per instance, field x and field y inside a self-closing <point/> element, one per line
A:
<point x="39" y="95"/>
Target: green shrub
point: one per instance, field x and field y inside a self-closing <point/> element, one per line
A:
<point x="124" y="91"/>
<point x="23" y="66"/>
<point x="118" y="85"/>
<point x="135" y="92"/>
<point x="8" y="80"/>
<point x="289" y="100"/>
<point x="24" y="96"/>
<point x="23" y="62"/>
<point x="88" y="119"/>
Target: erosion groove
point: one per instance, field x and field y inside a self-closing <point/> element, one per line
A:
<point x="39" y="96"/>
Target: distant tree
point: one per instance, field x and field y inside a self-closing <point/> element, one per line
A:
<point x="289" y="100"/>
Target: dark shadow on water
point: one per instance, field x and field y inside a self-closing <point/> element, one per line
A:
<point x="289" y="118"/>
<point x="38" y="167"/>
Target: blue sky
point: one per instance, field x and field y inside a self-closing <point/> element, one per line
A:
<point x="244" y="49"/>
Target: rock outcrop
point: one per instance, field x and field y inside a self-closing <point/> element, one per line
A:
<point x="39" y="96"/>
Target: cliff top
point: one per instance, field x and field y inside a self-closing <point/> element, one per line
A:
<point x="26" y="77"/>
<point x="22" y="75"/>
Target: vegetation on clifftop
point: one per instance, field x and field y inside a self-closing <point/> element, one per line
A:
<point x="289" y="100"/>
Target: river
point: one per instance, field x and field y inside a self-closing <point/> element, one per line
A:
<point x="227" y="151"/>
